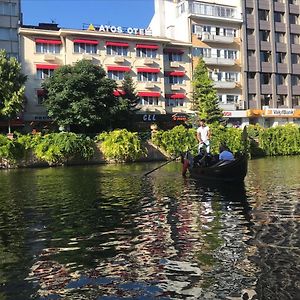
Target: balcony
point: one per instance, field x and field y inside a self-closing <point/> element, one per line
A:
<point x="227" y="106"/>
<point x="224" y="84"/>
<point x="213" y="38"/>
<point x="214" y="12"/>
<point x="219" y="61"/>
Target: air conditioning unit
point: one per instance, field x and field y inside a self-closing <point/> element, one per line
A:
<point x="149" y="85"/>
<point x="265" y="107"/>
<point x="148" y="61"/>
<point x="49" y="57"/>
<point x="174" y="64"/>
<point x="119" y="59"/>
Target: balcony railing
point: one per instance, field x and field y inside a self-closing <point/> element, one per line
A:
<point x="219" y="61"/>
<point x="213" y="38"/>
<point x="224" y="84"/>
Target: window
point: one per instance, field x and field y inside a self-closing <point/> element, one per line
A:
<point x="145" y="100"/>
<point x="251" y="75"/>
<point x="116" y="50"/>
<point x="294" y="19"/>
<point x="203" y="52"/>
<point x="265" y="56"/>
<point x="116" y="75"/>
<point x="8" y="9"/>
<point x="40" y="96"/>
<point x="295" y="58"/>
<point x="281" y="100"/>
<point x="250" y="31"/>
<point x="8" y="34"/>
<point x="251" y="97"/>
<point x="249" y="10"/>
<point x="229" y="54"/>
<point x="85" y="48"/>
<point x="232" y="98"/>
<point x="295" y="38"/>
<point x="265" y="78"/>
<point x="280" y="57"/>
<point x="265" y="99"/>
<point x="173" y="56"/>
<point x="145" y="52"/>
<point x="296" y="101"/>
<point x="264" y="35"/>
<point x="47" y="48"/>
<point x="295" y="79"/>
<point x="174" y="102"/>
<point x="176" y="79"/>
<point x="251" y="53"/>
<point x="280" y="79"/>
<point x="263" y="14"/>
<point x="232" y="76"/>
<point x="229" y="32"/>
<point x="279" y="17"/>
<point x="145" y="76"/>
<point x="280" y="37"/>
<point x="213" y="10"/>
<point x="44" y="73"/>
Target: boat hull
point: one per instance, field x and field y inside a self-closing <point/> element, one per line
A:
<point x="223" y="171"/>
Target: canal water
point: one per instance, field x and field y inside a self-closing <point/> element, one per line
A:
<point x="105" y="232"/>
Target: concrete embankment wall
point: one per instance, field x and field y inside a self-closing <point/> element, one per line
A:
<point x="31" y="161"/>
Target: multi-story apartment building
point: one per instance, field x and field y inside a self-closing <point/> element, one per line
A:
<point x="271" y="43"/>
<point x="160" y="66"/>
<point x="10" y="19"/>
<point x="214" y="29"/>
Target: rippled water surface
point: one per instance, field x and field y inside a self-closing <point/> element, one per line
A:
<point x="105" y="232"/>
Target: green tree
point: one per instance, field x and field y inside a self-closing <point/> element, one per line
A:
<point x="205" y="95"/>
<point x="12" y="87"/>
<point x="127" y="104"/>
<point x="80" y="95"/>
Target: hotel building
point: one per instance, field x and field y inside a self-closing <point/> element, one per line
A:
<point x="10" y="19"/>
<point x="159" y="66"/>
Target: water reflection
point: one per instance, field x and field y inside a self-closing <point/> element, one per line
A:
<point x="108" y="233"/>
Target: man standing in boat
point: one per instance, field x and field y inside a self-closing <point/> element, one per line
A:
<point x="203" y="136"/>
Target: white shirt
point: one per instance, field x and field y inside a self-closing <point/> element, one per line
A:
<point x="203" y="133"/>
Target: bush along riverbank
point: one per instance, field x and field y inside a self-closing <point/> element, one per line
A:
<point x="123" y="146"/>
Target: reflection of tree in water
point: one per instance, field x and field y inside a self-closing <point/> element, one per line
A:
<point x="276" y="240"/>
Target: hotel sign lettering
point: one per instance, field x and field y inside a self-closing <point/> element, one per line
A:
<point x="119" y="29"/>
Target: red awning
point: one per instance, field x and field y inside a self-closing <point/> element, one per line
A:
<point x="41" y="92"/>
<point x="44" y="41"/>
<point x="117" y="44"/>
<point x="48" y="67"/>
<point x="92" y="42"/>
<point x="175" y="96"/>
<point x="177" y="51"/>
<point x="146" y="46"/>
<point x="149" y="94"/>
<point x="148" y="70"/>
<point x="119" y="93"/>
<point x="118" y="68"/>
<point x="175" y="73"/>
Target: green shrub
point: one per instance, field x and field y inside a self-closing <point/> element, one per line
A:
<point x="58" y="148"/>
<point x="11" y="150"/>
<point x="121" y="145"/>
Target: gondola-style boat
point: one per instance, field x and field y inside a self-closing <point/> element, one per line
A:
<point x="222" y="171"/>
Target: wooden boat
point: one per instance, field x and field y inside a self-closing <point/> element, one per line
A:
<point x="225" y="171"/>
<point x="222" y="171"/>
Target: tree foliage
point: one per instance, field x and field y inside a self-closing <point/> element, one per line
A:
<point x="205" y="95"/>
<point x="126" y="104"/>
<point x="12" y="86"/>
<point x="79" y="95"/>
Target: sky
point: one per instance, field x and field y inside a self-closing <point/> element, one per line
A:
<point x="74" y="13"/>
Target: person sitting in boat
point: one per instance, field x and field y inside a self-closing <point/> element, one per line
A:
<point x="225" y="154"/>
<point x="203" y="136"/>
